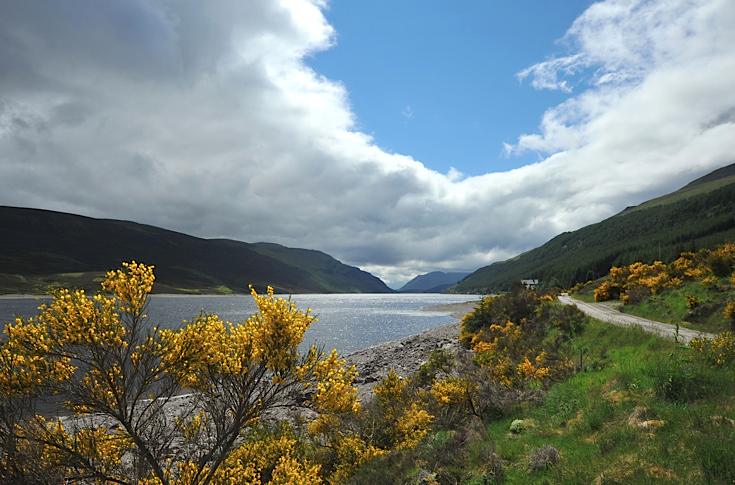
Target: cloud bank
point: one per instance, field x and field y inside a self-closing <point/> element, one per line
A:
<point x="205" y="118"/>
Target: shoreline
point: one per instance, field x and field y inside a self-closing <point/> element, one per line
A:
<point x="373" y="363"/>
<point x="406" y="355"/>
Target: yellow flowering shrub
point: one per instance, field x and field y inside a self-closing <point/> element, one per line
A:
<point x="652" y="276"/>
<point x="623" y="281"/>
<point x="504" y="352"/>
<point x="719" y="351"/>
<point x="533" y="370"/>
<point x="450" y="390"/>
<point x="389" y="393"/>
<point x="351" y="452"/>
<point x="603" y="292"/>
<point x="131" y="286"/>
<point x="613" y="285"/>
<point x="400" y="418"/>
<point x="112" y="365"/>
<point x="23" y="371"/>
<point x="729" y="313"/>
<point x="633" y="282"/>
<point x="335" y="391"/>
<point x="453" y="398"/>
<point x="521" y="338"/>
<point x="270" y="338"/>
<point x="289" y="471"/>
<point x="272" y="458"/>
<point x="710" y="281"/>
<point x="412" y="426"/>
<point x="92" y="447"/>
<point x="689" y="266"/>
<point x="270" y="455"/>
<point x="721" y="259"/>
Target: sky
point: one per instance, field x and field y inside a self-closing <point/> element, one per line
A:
<point x="436" y="79"/>
<point x="400" y="137"/>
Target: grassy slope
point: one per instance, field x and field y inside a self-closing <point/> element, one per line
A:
<point x="671" y="306"/>
<point x="586" y="419"/>
<point x="45" y="247"/>
<point x="699" y="215"/>
<point x="686" y="192"/>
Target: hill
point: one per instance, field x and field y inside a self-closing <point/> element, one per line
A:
<point x="44" y="248"/>
<point x="699" y="215"/>
<point x="434" y="282"/>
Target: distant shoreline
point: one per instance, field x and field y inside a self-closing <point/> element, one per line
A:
<point x="24" y="296"/>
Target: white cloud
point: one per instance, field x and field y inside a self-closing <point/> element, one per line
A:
<point x="454" y="175"/>
<point x="548" y="74"/>
<point x="203" y="117"/>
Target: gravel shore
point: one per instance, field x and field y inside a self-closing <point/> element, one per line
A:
<point x="405" y="356"/>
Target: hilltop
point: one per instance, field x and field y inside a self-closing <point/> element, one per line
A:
<point x="44" y="248"/>
<point x="699" y="215"/>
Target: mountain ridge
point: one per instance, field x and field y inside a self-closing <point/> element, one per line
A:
<point x="46" y="248"/>
<point x="700" y="214"/>
<point x="432" y="282"/>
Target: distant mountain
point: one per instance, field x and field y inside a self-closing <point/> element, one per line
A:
<point x="41" y="248"/>
<point x="699" y="215"/>
<point x="434" y="282"/>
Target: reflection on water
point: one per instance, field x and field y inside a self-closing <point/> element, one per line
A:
<point x="347" y="322"/>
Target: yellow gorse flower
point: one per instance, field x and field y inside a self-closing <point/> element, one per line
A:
<point x="449" y="391"/>
<point x="98" y="347"/>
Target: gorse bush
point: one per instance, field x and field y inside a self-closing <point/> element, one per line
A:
<point x="635" y="282"/>
<point x="195" y="405"/>
<point x="729" y="313"/>
<point x="120" y="379"/>
<point x="718" y="351"/>
<point x="722" y="259"/>
<point x="521" y="338"/>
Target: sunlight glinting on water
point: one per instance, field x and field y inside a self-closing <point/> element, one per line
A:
<point x="347" y="322"/>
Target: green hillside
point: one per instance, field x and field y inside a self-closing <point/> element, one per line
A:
<point x="330" y="274"/>
<point x="43" y="248"/>
<point x="700" y="215"/>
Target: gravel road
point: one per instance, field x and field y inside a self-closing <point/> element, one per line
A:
<point x="605" y="313"/>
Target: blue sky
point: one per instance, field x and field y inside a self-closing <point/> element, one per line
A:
<point x="437" y="80"/>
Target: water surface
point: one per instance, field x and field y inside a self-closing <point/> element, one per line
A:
<point x="347" y="322"/>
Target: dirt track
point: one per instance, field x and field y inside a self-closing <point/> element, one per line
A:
<point x="605" y="313"/>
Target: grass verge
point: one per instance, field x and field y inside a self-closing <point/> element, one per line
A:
<point x="671" y="306"/>
<point x="643" y="410"/>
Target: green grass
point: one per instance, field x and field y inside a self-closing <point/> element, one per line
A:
<point x="41" y="284"/>
<point x="670" y="306"/>
<point x="686" y="192"/>
<point x="586" y="418"/>
<point x="587" y="297"/>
